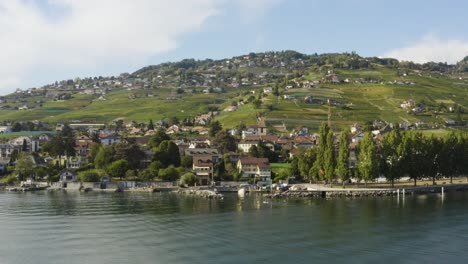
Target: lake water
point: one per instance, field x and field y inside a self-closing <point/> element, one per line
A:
<point x="60" y="227"/>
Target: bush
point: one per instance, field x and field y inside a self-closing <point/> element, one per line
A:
<point x="89" y="176"/>
<point x="10" y="179"/>
<point x="54" y="178"/>
<point x="169" y="174"/>
<point x="147" y="175"/>
<point x="189" y="179"/>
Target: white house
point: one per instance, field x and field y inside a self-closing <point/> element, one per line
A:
<point x="259" y="168"/>
<point x="5" y="129"/>
<point x="245" y="145"/>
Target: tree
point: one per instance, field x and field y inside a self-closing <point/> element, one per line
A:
<point x="189" y="179"/>
<point x="67" y="143"/>
<point x="294" y="169"/>
<point x="104" y="157"/>
<point x="89" y="176"/>
<point x="93" y="151"/>
<point x="367" y="160"/>
<point x="40" y="172"/>
<point x="433" y="158"/>
<point x="325" y="155"/>
<point x="413" y="153"/>
<point x="62" y="143"/>
<point x="118" y="168"/>
<point x="129" y="152"/>
<point x="257" y="103"/>
<point x="215" y="127"/>
<point x="306" y="160"/>
<point x="186" y="162"/>
<point x="24" y="165"/>
<point x="342" y="162"/>
<point x="453" y="155"/>
<point x="225" y="141"/>
<point x="157" y="138"/>
<point x="390" y="163"/>
<point x="169" y="174"/>
<point x="265" y="152"/>
<point x="329" y="158"/>
<point x="151" y="125"/>
<point x="276" y="88"/>
<point x="219" y="169"/>
<point x="167" y="153"/>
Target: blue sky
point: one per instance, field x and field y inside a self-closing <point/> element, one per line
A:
<point x="47" y="40"/>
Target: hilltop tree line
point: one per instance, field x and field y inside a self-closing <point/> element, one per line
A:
<point x="346" y="60"/>
<point x="397" y="155"/>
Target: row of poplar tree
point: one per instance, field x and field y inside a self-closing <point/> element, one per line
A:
<point x="395" y="155"/>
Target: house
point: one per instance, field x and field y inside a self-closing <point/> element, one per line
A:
<point x="260" y="129"/>
<point x="4" y="162"/>
<point x="6" y="150"/>
<point x="147" y="159"/>
<point x="450" y="122"/>
<point x="75" y="162"/>
<point x="257" y="168"/>
<point x="203" y="168"/>
<point x="230" y="108"/>
<point x="143" y="141"/>
<point x="174" y="129"/>
<point x="213" y="153"/>
<point x="356" y="128"/>
<point x="357" y="137"/>
<point x="82" y="145"/>
<point x="408" y="104"/>
<point x="268" y="90"/>
<point x="46" y="137"/>
<point x="67" y="177"/>
<point x="304" y="142"/>
<point x="245" y="145"/>
<point x="25" y="143"/>
<point x="109" y="139"/>
<point x="5" y="129"/>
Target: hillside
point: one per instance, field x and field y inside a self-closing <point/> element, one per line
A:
<point x="288" y="88"/>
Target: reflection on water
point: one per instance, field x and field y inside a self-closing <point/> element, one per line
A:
<point x="51" y="227"/>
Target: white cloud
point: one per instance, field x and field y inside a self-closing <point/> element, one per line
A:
<point x="431" y="48"/>
<point x="91" y="34"/>
<point x="68" y="38"/>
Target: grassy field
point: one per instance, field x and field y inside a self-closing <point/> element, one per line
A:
<point x="358" y="103"/>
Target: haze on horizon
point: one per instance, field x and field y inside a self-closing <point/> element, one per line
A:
<point x="42" y="41"/>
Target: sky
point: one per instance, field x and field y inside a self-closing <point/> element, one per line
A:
<point x="43" y="41"/>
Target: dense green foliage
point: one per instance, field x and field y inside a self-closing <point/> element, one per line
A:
<point x="189" y="179"/>
<point x="342" y="161"/>
<point x="396" y="155"/>
<point x="118" y="168"/>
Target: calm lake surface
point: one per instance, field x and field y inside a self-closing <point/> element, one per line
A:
<point x="60" y="227"/>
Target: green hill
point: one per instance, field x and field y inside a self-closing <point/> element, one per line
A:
<point x="358" y="89"/>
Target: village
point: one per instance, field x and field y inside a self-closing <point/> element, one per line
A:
<point x="128" y="155"/>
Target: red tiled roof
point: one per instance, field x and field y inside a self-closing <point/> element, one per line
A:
<point x="261" y="162"/>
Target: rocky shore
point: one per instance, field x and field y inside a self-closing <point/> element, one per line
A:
<point x="208" y="194"/>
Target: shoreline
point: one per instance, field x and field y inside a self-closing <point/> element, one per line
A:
<point x="295" y="191"/>
<point x="325" y="192"/>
